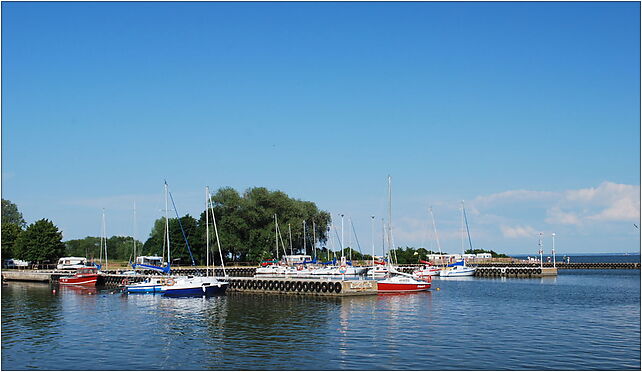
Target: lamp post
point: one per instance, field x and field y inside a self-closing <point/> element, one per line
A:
<point x="541" y="252"/>
<point x="553" y="250"/>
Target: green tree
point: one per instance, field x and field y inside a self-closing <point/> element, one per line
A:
<point x="10" y="232"/>
<point x="10" y="214"/>
<point x="41" y="241"/>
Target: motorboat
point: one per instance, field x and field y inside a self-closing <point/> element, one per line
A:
<point x="195" y="286"/>
<point x="87" y="276"/>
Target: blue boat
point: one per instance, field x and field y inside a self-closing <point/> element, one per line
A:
<point x="195" y="286"/>
<point x="150" y="285"/>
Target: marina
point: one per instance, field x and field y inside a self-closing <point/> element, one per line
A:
<point x="261" y="330"/>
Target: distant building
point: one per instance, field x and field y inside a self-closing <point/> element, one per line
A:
<point x="484" y="255"/>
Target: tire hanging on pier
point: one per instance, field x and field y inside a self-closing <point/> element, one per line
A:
<point x="324" y="287"/>
<point x="337" y="287"/>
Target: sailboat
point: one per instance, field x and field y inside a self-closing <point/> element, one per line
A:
<point x="200" y="285"/>
<point x="153" y="285"/>
<point x="459" y="268"/>
<point x="429" y="268"/>
<point x="398" y="281"/>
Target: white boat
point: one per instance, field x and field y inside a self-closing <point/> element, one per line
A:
<point x="396" y="281"/>
<point x="402" y="283"/>
<point x="427" y="270"/>
<point x="153" y="285"/>
<point x="458" y="269"/>
<point x="378" y="271"/>
<point x="194" y="286"/>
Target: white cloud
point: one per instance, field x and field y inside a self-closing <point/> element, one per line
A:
<point x="518" y="231"/>
<point x="514" y="196"/>
<point x="555" y="215"/>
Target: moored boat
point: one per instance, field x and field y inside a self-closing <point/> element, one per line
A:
<point x="87" y="276"/>
<point x="402" y="283"/>
<point x="428" y="270"/>
<point x="195" y="286"/>
<point x="458" y="269"/>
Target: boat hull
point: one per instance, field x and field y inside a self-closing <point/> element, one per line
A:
<point x="145" y="289"/>
<point x="204" y="290"/>
<point x="455" y="273"/>
<point x="85" y="280"/>
<point x="383" y="287"/>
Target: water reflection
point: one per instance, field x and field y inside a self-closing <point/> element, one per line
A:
<point x="588" y="321"/>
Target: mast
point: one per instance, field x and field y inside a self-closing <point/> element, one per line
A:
<point x="104" y="240"/>
<point x="434" y="226"/>
<point x="462" y="229"/>
<point x="390" y="247"/>
<point x="207" y="230"/>
<point x="134" y="231"/>
<point x="342" y="252"/>
<point x="350" y="238"/>
<point x="276" y="236"/>
<point x="167" y="225"/>
<point x="314" y="240"/>
<point x="218" y="240"/>
<point x="305" y="249"/>
<point x="290" y="234"/>
<point x="373" y="243"/>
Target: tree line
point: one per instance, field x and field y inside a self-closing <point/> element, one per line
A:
<point x="246" y="228"/>
<point x="245" y="223"/>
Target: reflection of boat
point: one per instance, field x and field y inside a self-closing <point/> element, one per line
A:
<point x="87" y="276"/>
<point x="79" y="289"/>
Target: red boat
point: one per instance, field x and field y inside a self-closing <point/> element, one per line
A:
<point x="401" y="283"/>
<point x="87" y="276"/>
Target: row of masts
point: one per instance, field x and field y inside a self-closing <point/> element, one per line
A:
<point x="387" y="235"/>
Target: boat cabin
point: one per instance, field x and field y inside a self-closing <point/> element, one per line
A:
<point x="149" y="260"/>
<point x="297" y="258"/>
<point x="87" y="270"/>
<point x="70" y="263"/>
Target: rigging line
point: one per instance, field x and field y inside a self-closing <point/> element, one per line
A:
<point x="470" y="242"/>
<point x="182" y="230"/>
<point x="356" y="237"/>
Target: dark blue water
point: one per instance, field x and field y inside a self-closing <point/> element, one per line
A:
<point x="581" y="320"/>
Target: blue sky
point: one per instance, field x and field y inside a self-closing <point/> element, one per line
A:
<point x="528" y="111"/>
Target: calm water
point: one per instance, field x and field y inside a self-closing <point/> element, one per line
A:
<point x="581" y="320"/>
